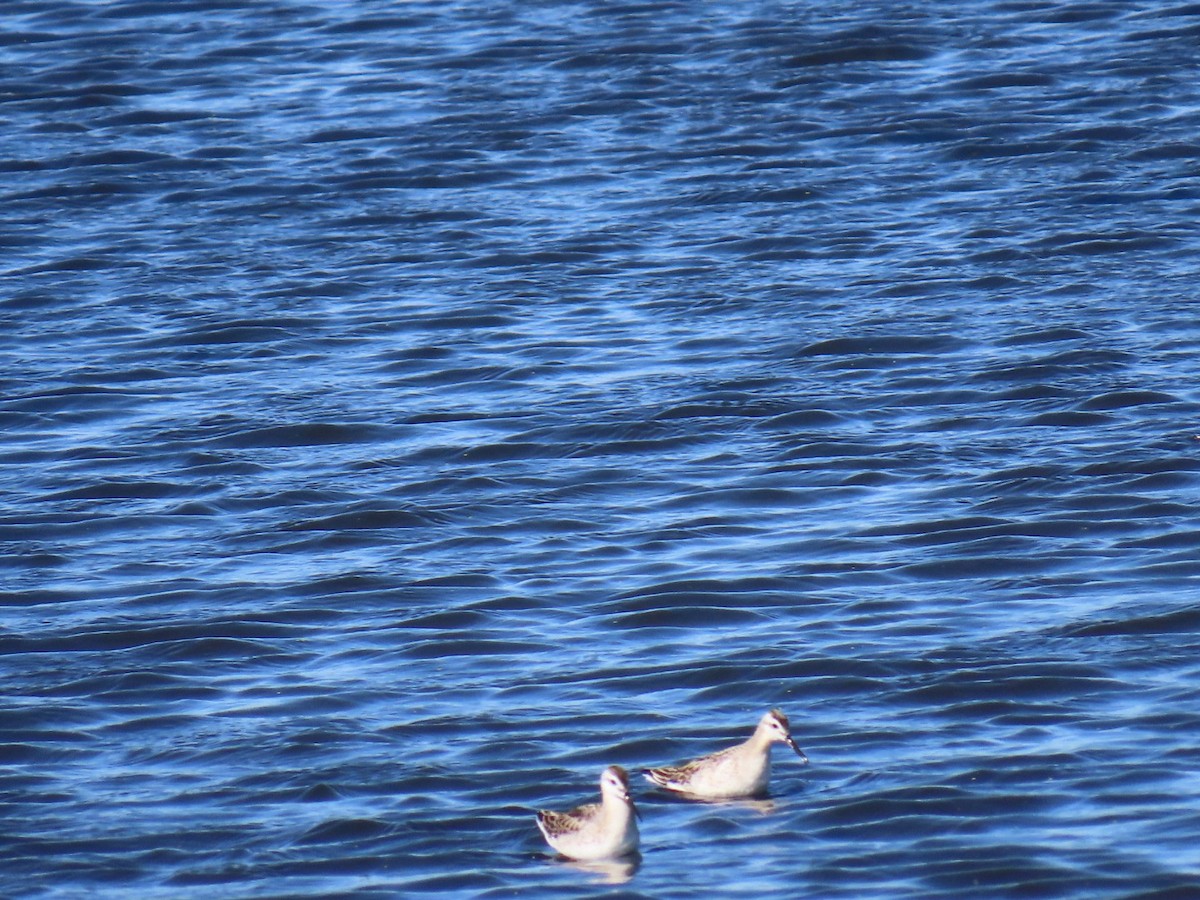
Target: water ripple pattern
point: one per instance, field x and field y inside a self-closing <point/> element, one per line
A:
<point x="409" y="409"/>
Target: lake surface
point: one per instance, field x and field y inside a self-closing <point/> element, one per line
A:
<point x="408" y="409"/>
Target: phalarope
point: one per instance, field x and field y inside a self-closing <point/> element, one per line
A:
<point x="593" y="831"/>
<point x="739" y="771"/>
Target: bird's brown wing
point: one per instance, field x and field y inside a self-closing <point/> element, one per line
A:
<point x="559" y="823"/>
<point x="678" y="776"/>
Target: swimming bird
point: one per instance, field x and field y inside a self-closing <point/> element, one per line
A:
<point x="593" y="831"/>
<point x="739" y="771"/>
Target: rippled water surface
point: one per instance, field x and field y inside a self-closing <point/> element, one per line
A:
<point x="407" y="409"/>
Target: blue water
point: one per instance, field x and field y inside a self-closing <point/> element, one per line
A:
<point x="408" y="409"/>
